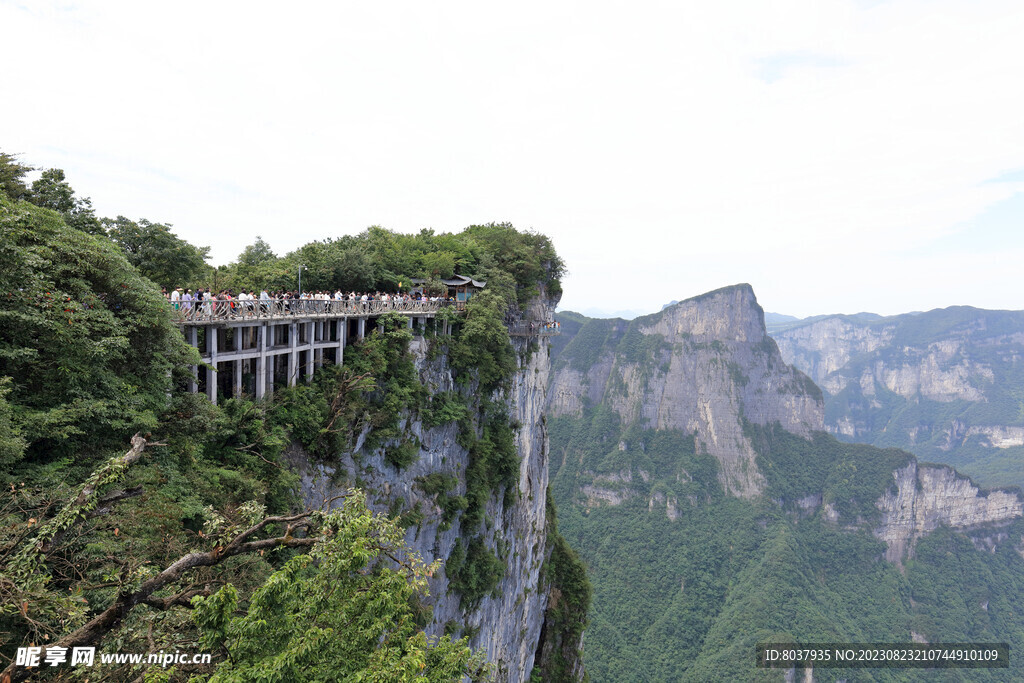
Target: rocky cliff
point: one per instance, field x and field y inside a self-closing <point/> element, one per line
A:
<point x="701" y="366"/>
<point x="923" y="498"/>
<point x="706" y="365"/>
<point x="942" y="384"/>
<point x="692" y="470"/>
<point x="507" y="621"/>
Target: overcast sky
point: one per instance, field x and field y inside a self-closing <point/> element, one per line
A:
<point x="838" y="156"/>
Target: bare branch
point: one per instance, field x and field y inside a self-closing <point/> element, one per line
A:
<point x="269" y="520"/>
<point x="182" y="599"/>
<point x="105" y="504"/>
<point x="129" y="458"/>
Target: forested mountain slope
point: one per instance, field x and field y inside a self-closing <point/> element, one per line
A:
<point x="713" y="511"/>
<point x="947" y="384"/>
<point x="136" y="517"/>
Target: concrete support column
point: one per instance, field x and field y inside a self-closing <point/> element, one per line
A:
<point x="211" y="372"/>
<point x="342" y="334"/>
<point x="271" y="365"/>
<point x="293" y="354"/>
<point x="361" y="329"/>
<point x="409" y="325"/>
<point x="261" y="360"/>
<point x="192" y="336"/>
<point x="310" y="342"/>
<point x="238" y="335"/>
<point x="271" y="359"/>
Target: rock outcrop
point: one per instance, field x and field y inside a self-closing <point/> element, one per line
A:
<point x="700" y="366"/>
<point x="941" y="384"/>
<point x="926" y="497"/>
<point x="506" y="623"/>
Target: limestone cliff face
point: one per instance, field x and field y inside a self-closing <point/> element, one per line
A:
<point x="925" y="497"/>
<point x="828" y="351"/>
<point x="941" y="384"/>
<point x="508" y="622"/>
<point x="822" y="348"/>
<point x="700" y="366"/>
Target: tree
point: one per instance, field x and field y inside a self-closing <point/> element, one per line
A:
<point x="258" y="267"/>
<point x="158" y="253"/>
<point x="341" y="612"/>
<point x="88" y="343"/>
<point x="12" y="177"/>
<point x="256" y="254"/>
<point x="52" y="191"/>
<point x="482" y="350"/>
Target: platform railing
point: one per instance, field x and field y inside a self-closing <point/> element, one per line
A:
<point x="217" y="310"/>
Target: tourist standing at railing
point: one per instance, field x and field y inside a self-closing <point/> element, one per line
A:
<point x="186" y="303"/>
<point x="176" y="298"/>
<point x="218" y="304"/>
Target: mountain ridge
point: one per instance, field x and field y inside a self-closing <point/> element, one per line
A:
<point x="696" y="554"/>
<point x="664" y="369"/>
<point x="942" y="384"/>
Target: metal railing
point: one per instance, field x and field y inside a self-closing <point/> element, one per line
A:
<point x="534" y="329"/>
<point x="274" y="309"/>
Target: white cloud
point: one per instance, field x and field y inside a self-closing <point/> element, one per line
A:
<point x="644" y="137"/>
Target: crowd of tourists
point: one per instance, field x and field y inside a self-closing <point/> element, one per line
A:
<point x="551" y="326"/>
<point x="225" y="303"/>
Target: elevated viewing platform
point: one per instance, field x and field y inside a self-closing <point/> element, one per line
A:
<point x="249" y="347"/>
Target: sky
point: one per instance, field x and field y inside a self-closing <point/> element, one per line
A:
<point x="839" y="156"/>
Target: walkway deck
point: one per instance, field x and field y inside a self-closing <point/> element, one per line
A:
<point x="251" y="346"/>
<point x="205" y="313"/>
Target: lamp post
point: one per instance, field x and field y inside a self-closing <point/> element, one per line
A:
<point x="301" y="268"/>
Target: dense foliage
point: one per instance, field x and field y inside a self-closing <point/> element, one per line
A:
<point x="687" y="580"/>
<point x="158" y="253"/>
<point x="569" y="596"/>
<point x="86" y="341"/>
<point x="88" y="356"/>
<point x="340" y="612"/>
<point x="380" y="260"/>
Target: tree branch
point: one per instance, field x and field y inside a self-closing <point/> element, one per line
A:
<point x="101" y="477"/>
<point x="109" y="618"/>
<point x="105" y="504"/>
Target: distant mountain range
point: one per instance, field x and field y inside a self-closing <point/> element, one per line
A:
<point x="779" y="322"/>
<point x="691" y="469"/>
<point x="946" y="384"/>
